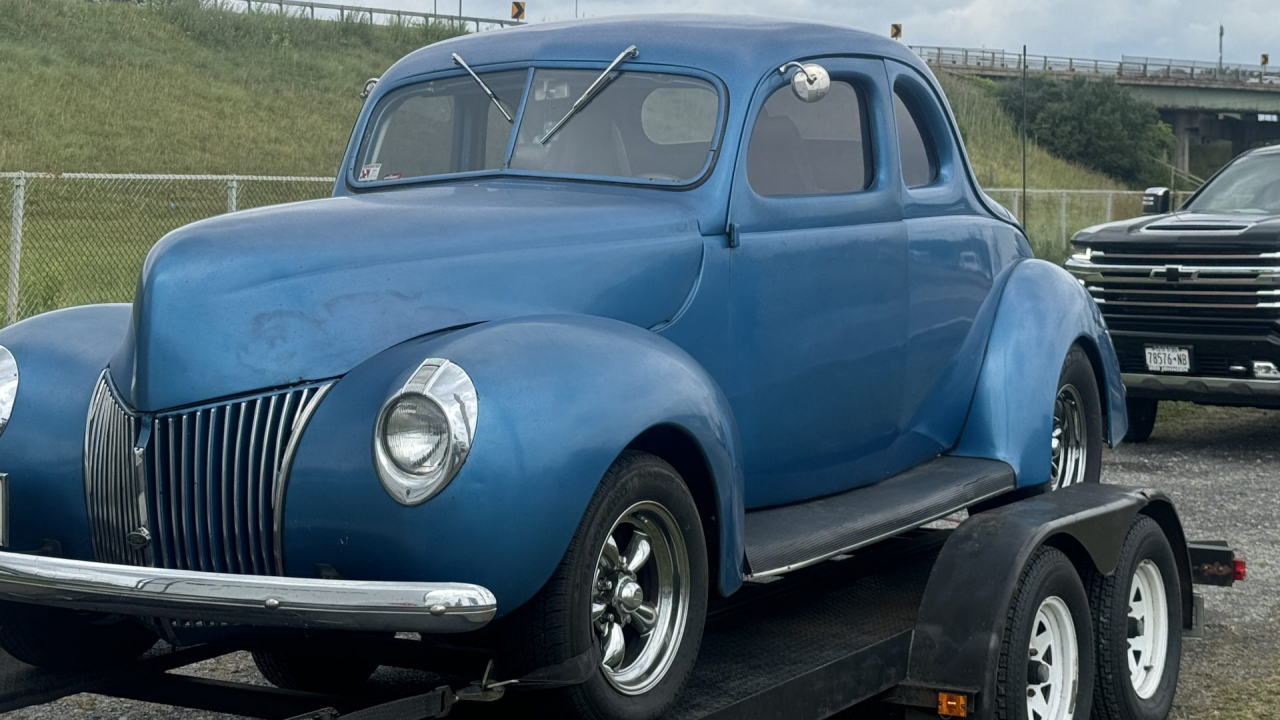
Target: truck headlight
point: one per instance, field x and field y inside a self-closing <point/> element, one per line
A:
<point x="425" y="430"/>
<point x="8" y="385"/>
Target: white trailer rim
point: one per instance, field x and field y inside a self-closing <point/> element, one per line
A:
<point x="1053" y="668"/>
<point x="1148" y="629"/>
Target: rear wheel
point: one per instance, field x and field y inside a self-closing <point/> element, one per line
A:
<point x="1142" y="418"/>
<point x="1046" y="654"/>
<point x="634" y="581"/>
<point x="330" y="665"/>
<point x="59" y="639"/>
<point x="1076" y="439"/>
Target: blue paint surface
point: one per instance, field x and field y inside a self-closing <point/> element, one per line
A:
<point x="826" y="343"/>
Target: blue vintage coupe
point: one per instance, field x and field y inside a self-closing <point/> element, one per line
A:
<point x="602" y="320"/>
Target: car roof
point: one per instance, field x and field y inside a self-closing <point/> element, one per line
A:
<point x="735" y="48"/>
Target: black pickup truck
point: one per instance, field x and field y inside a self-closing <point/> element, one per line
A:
<point x="1192" y="297"/>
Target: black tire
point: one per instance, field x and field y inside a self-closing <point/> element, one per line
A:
<point x="556" y="624"/>
<point x="58" y="639"/>
<point x="1142" y="418"/>
<point x="322" y="664"/>
<point x="1048" y="574"/>
<point x="1115" y="697"/>
<point x="1077" y="373"/>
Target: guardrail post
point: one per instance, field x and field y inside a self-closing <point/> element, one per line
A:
<point x="233" y="194"/>
<point x="15" y="249"/>
<point x="1110" y="202"/>
<point x="1062" y="221"/>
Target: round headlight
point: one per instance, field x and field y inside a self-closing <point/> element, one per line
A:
<point x="425" y="431"/>
<point x="8" y="385"/>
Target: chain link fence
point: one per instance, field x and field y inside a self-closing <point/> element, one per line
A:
<point x="79" y="238"/>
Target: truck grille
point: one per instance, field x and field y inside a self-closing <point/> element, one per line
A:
<point x="204" y="485"/>
<point x="1234" y="288"/>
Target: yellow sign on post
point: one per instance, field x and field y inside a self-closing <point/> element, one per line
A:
<point x="1266" y="59"/>
<point x="895" y="31"/>
<point x="517" y="11"/>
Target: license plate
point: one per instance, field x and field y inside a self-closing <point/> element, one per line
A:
<point x="1161" y="358"/>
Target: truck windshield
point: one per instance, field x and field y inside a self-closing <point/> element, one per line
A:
<point x="1250" y="185"/>
<point x="639" y="125"/>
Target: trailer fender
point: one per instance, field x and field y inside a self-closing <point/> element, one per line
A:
<point x="957" y="636"/>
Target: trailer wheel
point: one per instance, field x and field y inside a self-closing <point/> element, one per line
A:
<point x="58" y="639"/>
<point x="1076" y="441"/>
<point x="315" y="664"/>
<point x="1046" y="654"/>
<point x="1138" y="616"/>
<point x="633" y="581"/>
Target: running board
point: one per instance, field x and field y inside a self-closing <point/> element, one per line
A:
<point x="787" y="538"/>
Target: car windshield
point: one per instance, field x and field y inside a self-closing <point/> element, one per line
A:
<point x="1250" y="185"/>
<point x="640" y="125"/>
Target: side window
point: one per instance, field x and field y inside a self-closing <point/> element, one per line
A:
<point x="915" y="147"/>
<point x="800" y="148"/>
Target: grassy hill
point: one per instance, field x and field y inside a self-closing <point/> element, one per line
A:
<point x="179" y="86"/>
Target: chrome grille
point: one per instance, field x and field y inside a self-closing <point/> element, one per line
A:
<point x="1221" y="281"/>
<point x="207" y="483"/>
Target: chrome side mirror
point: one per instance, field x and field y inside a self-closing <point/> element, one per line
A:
<point x="369" y="85"/>
<point x="810" y="82"/>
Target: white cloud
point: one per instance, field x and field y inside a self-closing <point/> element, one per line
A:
<point x="1101" y="29"/>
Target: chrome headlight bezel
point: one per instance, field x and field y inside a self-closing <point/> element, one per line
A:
<point x="450" y="388"/>
<point x="8" y="385"/>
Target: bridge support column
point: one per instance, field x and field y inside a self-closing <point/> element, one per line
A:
<point x="1183" y="130"/>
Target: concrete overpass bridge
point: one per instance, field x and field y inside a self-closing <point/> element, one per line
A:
<point x="1201" y="101"/>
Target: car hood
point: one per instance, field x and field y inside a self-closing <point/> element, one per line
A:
<point x="1185" y="227"/>
<point x="279" y="295"/>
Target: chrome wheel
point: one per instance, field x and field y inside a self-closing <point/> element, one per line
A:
<point x="1053" y="663"/>
<point x="640" y="598"/>
<point x="1148" y="629"/>
<point x="1070" y="440"/>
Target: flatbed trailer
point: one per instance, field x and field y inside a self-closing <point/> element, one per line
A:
<point x="852" y="636"/>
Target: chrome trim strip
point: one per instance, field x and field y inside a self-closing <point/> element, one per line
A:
<point x="1091" y="267"/>
<point x="265" y="601"/>
<point x="1241" y="386"/>
<point x="286" y="466"/>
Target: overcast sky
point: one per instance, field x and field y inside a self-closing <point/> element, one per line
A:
<point x="1101" y="29"/>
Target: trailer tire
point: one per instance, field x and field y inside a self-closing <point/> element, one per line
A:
<point x="331" y="666"/>
<point x="57" y="639"/>
<point x="1147" y="564"/>
<point x="560" y="621"/>
<point x="1048" y="639"/>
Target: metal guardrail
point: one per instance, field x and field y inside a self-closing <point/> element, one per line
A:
<point x="1127" y="69"/>
<point x="356" y="11"/>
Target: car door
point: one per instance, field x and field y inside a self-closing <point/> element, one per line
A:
<point x="955" y="252"/>
<point x="818" y="295"/>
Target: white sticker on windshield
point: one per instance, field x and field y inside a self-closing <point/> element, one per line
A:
<point x="369" y="173"/>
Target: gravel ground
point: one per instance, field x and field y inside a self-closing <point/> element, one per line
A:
<point x="1220" y="466"/>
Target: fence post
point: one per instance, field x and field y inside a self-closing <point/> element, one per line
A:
<point x="15" y="249"/>
<point x="233" y="194"/>
<point x="1110" y="199"/>
<point x="1062" y="220"/>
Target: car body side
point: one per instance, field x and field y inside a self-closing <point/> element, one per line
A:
<point x="922" y="327"/>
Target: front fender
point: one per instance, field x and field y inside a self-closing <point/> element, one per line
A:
<point x="60" y="355"/>
<point x="559" y="398"/>
<point x="1042" y="311"/>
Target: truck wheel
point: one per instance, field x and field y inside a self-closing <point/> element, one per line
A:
<point x="315" y="664"/>
<point x="1138" y="615"/>
<point x="1046" y="654"/>
<point x="633" y="581"/>
<point x="1142" y="418"/>
<point x="58" y="639"/>
<point x="1076" y="442"/>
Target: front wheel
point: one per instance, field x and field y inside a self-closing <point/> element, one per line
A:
<point x="57" y="639"/>
<point x="1142" y="418"/>
<point x="1076" y="440"/>
<point x="634" y="581"/>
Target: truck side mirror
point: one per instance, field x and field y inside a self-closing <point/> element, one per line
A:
<point x="1156" y="201"/>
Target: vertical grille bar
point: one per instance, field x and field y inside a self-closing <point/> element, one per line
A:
<point x="209" y="485"/>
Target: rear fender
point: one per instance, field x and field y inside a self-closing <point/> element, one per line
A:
<point x="1042" y="312"/>
<point x="560" y="397"/>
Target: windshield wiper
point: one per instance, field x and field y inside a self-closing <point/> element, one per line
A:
<point x="458" y="59"/>
<point x="590" y="92"/>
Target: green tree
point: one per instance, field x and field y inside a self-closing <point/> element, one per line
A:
<point x="1096" y="123"/>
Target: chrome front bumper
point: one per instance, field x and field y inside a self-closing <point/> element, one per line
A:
<point x="245" y="599"/>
